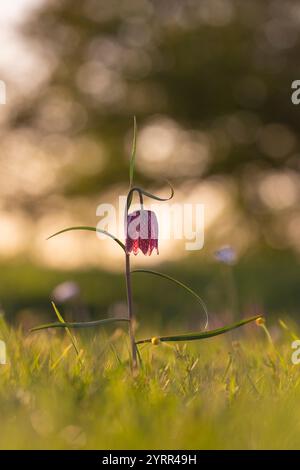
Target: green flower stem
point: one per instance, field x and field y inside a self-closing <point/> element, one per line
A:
<point x="130" y="312"/>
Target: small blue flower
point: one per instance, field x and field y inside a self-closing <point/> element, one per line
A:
<point x="226" y="255"/>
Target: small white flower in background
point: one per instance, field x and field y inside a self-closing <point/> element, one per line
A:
<point x="66" y="291"/>
<point x="226" y="255"/>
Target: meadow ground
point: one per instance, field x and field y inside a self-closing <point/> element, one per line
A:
<point x="237" y="391"/>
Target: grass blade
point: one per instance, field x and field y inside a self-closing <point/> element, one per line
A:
<point x="172" y="279"/>
<point x="133" y="153"/>
<point x="87" y="324"/>
<point x="92" y="229"/>
<point x="64" y="353"/>
<point x="63" y="323"/>
<point x="201" y="335"/>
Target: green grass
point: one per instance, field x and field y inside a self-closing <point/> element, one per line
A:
<point x="235" y="391"/>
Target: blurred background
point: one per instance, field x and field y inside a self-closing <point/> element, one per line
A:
<point x="210" y="84"/>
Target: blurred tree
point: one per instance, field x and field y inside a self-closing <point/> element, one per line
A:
<point x="209" y="81"/>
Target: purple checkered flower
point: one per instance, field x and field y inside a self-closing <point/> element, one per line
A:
<point x="142" y="232"/>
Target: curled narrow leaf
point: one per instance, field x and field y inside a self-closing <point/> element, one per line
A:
<point x="141" y="192"/>
<point x="201" y="335"/>
<point x="91" y="229"/>
<point x="88" y="324"/>
<point x="157" y="198"/>
<point x="172" y="279"/>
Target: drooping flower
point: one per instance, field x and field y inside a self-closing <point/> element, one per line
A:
<point x="142" y="232"/>
<point x="226" y="255"/>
